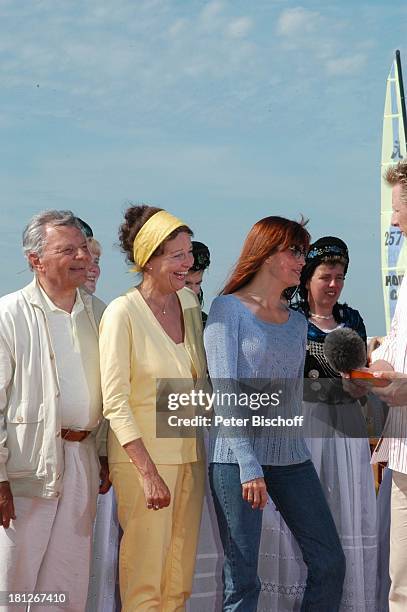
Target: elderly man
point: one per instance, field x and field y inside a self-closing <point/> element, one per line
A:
<point x="391" y="356"/>
<point x="50" y="409"/>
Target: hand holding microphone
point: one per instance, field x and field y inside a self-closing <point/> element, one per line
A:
<point x="345" y="352"/>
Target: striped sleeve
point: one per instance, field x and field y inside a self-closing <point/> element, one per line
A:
<point x="387" y="351"/>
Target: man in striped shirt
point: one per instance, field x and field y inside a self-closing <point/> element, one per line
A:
<point x="391" y="359"/>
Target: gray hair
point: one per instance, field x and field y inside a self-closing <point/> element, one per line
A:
<point x="34" y="233"/>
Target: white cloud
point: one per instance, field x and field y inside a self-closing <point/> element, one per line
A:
<point x="149" y="53"/>
<point x="346" y="65"/>
<point x="178" y="27"/>
<point x="211" y="15"/>
<point x="320" y="41"/>
<point x="297" y="21"/>
<point x="141" y="63"/>
<point x="239" y="28"/>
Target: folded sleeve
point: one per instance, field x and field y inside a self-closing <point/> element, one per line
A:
<point x="387" y="350"/>
<point x="115" y="370"/>
<point x="222" y="348"/>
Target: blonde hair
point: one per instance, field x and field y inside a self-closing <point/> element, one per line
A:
<point x="397" y="175"/>
<point x="94" y="247"/>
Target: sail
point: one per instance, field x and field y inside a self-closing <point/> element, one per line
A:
<point x="393" y="243"/>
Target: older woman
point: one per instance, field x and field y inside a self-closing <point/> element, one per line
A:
<point x="102" y="582"/>
<point x="95" y="251"/>
<point x="153" y="332"/>
<point x="252" y="338"/>
<point x="341" y="459"/>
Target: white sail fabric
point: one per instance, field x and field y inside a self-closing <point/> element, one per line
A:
<point x="393" y="244"/>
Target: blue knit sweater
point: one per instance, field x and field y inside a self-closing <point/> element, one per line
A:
<point x="240" y="346"/>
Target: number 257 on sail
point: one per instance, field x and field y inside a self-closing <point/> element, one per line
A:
<point x="391" y="238"/>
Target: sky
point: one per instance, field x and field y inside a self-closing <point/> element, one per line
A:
<point x="222" y="112"/>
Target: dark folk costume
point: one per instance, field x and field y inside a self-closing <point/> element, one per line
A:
<point x="202" y="261"/>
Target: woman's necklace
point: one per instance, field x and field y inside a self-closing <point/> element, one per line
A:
<point x="163" y="308"/>
<point x="152" y="302"/>
<point x="324" y="317"/>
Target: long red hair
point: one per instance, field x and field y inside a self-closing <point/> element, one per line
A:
<point x="266" y="237"/>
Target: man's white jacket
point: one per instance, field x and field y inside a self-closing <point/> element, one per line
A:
<point x="31" y="455"/>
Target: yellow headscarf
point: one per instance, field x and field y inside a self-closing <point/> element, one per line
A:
<point x="154" y="231"/>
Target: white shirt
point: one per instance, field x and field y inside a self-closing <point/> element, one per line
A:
<point x="394" y="351"/>
<point x="76" y="352"/>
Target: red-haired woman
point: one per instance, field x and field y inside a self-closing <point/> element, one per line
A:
<point x="252" y="339"/>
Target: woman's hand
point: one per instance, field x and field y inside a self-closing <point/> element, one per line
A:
<point x="255" y="492"/>
<point x="155" y="490"/>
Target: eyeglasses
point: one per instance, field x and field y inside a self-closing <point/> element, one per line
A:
<point x="297" y="251"/>
<point x="71" y="251"/>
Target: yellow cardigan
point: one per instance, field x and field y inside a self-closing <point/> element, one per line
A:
<point x="135" y="351"/>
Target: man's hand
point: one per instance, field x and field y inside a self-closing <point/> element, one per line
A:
<point x="6" y="505"/>
<point x="395" y="394"/>
<point x="356" y="388"/>
<point x="255" y="492"/>
<point x="105" y="483"/>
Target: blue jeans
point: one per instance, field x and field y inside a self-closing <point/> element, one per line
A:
<point x="296" y="491"/>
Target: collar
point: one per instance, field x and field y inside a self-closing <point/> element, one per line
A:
<point x="50" y="306"/>
<point x="32" y="292"/>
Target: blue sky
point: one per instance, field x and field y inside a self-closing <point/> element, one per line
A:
<point x="222" y="112"/>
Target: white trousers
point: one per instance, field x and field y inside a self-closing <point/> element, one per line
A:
<point x="398" y="544"/>
<point x="48" y="546"/>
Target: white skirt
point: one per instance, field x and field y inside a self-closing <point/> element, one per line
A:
<point x="103" y="575"/>
<point x="343" y="466"/>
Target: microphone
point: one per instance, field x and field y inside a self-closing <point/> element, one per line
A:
<point x="345" y="350"/>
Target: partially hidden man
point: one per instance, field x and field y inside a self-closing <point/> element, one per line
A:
<point x="50" y="411"/>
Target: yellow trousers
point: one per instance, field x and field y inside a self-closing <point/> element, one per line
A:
<point x="158" y="548"/>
